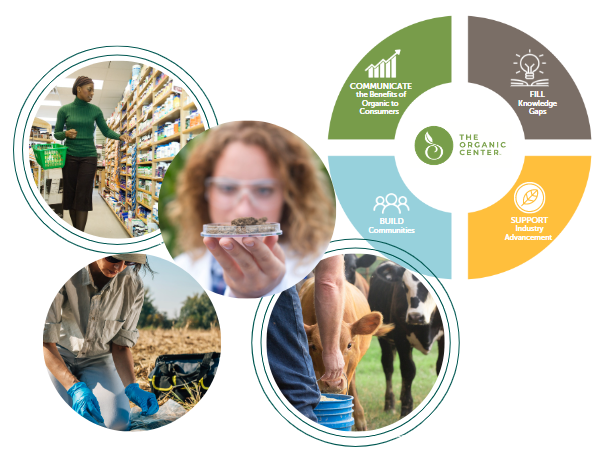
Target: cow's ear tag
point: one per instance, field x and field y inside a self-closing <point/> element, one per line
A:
<point x="367" y="324"/>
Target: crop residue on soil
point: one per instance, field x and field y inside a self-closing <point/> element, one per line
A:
<point x="153" y="343"/>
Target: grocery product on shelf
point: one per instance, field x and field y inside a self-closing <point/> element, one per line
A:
<point x="152" y="112"/>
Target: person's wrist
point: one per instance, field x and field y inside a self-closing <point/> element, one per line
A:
<point x="75" y="386"/>
<point x="331" y="350"/>
<point x="131" y="388"/>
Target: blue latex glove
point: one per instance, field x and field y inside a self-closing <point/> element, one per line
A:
<point x="145" y="400"/>
<point x="85" y="403"/>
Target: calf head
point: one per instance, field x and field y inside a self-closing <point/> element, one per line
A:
<point x="349" y="344"/>
<point x="422" y="337"/>
<point x="421" y="305"/>
<point x="390" y="272"/>
<point x="353" y="262"/>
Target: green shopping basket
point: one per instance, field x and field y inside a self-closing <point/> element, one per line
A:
<point x="50" y="156"/>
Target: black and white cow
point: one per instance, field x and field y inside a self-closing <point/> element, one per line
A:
<point x="404" y="301"/>
<point x="352" y="263"/>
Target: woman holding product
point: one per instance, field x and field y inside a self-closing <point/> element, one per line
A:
<point x="81" y="118"/>
<point x="89" y="331"/>
<point x="252" y="169"/>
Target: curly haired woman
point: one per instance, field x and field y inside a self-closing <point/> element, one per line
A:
<point x="253" y="169"/>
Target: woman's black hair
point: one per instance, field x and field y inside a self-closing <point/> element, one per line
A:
<point x="80" y="81"/>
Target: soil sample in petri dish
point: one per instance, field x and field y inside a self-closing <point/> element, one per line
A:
<point x="242" y="227"/>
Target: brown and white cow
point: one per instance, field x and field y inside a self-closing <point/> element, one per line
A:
<point x="358" y="326"/>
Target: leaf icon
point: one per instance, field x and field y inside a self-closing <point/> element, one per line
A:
<point x="428" y="138"/>
<point x="530" y="197"/>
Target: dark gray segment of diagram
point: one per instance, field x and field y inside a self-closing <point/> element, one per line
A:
<point x="529" y="77"/>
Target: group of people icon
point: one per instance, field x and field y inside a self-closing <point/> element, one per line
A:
<point x="386" y="202"/>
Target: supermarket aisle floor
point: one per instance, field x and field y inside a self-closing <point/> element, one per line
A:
<point x="101" y="221"/>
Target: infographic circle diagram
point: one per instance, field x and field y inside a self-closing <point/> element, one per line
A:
<point x="538" y="90"/>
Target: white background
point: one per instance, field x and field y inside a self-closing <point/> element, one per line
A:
<point x="529" y="377"/>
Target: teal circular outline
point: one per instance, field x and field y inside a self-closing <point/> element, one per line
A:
<point x="29" y="116"/>
<point x="410" y="418"/>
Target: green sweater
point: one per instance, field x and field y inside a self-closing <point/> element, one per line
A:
<point x="81" y="116"/>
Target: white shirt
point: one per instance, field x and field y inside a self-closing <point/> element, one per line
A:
<point x="295" y="271"/>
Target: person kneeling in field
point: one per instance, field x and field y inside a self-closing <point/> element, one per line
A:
<point x="89" y="331"/>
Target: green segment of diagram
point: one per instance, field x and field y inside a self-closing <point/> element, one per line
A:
<point x="386" y="81"/>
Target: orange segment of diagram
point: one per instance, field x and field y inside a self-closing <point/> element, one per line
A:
<point x="529" y="217"/>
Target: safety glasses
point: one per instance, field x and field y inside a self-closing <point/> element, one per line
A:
<point x="116" y="261"/>
<point x="225" y="193"/>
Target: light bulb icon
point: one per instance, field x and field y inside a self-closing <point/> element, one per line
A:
<point x="529" y="63"/>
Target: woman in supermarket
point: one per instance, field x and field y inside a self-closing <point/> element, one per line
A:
<point x="81" y="118"/>
<point x="253" y="169"/>
<point x="89" y="330"/>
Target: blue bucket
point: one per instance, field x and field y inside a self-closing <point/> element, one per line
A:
<point x="336" y="414"/>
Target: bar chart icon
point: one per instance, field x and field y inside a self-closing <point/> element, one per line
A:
<point x="384" y="69"/>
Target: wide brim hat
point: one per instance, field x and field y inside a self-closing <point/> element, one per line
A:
<point x="133" y="257"/>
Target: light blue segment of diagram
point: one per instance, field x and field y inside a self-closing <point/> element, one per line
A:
<point x="382" y="208"/>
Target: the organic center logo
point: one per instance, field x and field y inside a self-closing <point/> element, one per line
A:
<point x="434" y="145"/>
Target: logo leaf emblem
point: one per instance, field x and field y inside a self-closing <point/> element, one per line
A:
<point x="428" y="138"/>
<point x="530" y="197"/>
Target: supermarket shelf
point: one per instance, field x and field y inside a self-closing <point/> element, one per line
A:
<point x="145" y="116"/>
<point x="163" y="97"/>
<point x="141" y="89"/>
<point x="153" y="220"/>
<point x="163" y="160"/>
<point x="129" y="118"/>
<point x="169" y="117"/>
<point x="189" y="106"/>
<point x="146" y="99"/>
<point x="161" y="82"/>
<point x="167" y="139"/>
<point x="117" y="216"/>
<point x="40" y="139"/>
<point x="198" y="127"/>
<point x="144" y="205"/>
<point x="148" y="129"/>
